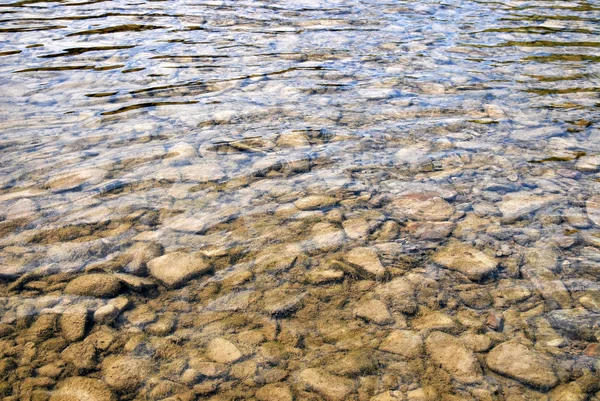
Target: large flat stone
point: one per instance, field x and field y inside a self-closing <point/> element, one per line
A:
<point x="523" y="364"/>
<point x="174" y="269"/>
<point x="465" y="259"/>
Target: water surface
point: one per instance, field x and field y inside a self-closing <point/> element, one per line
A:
<point x="316" y="200"/>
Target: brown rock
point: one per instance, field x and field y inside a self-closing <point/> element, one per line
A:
<point x="405" y="343"/>
<point x="176" y="268"/>
<point x="94" y="285"/>
<point x="82" y="389"/>
<point x="454" y="357"/>
<point x="125" y="373"/>
<point x="465" y="259"/>
<point x="330" y="387"/>
<point x="521" y="363"/>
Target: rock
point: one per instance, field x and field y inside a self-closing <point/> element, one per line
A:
<point x="465" y="259"/>
<point x="82" y="389"/>
<point x="330" y="387"/>
<point x="588" y="164"/>
<point x="235" y="301"/>
<point x="94" y="285"/>
<point x="73" y="322"/>
<point x="125" y="373"/>
<point x="208" y="369"/>
<point x="405" y="343"/>
<point x="82" y="355"/>
<point x="75" y="179"/>
<point x="374" y="311"/>
<point x="281" y="302"/>
<point x="568" y="392"/>
<point x="399" y="294"/>
<point x="434" y="320"/>
<point x="176" y="268"/>
<point x="314" y="202"/>
<point x="454" y="357"/>
<point x="274" y="392"/>
<point x="430" y="231"/>
<point x="352" y="364"/>
<point x="387" y="396"/>
<point x="367" y="260"/>
<point x="222" y="351"/>
<point x="591" y="301"/>
<point x="476" y="342"/>
<point x="356" y="228"/>
<point x="521" y="204"/>
<point x="523" y="364"/>
<point x="592" y="207"/>
<point x="577" y="323"/>
<point x="576" y="218"/>
<point x="324" y="276"/>
<point x="422" y="207"/>
<point x="106" y="314"/>
<point x="139" y="254"/>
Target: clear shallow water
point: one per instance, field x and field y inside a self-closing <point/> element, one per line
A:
<point x="344" y="191"/>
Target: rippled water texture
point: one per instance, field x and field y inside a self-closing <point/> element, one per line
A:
<point x="299" y="200"/>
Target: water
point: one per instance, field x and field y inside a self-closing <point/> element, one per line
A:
<point x="317" y="200"/>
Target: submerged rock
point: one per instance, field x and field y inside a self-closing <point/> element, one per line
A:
<point x="82" y="389"/>
<point x="449" y="352"/>
<point x="223" y="351"/>
<point x="521" y="363"/>
<point x="367" y="260"/>
<point x="422" y="207"/>
<point x="126" y="373"/>
<point x="330" y="387"/>
<point x="592" y="207"/>
<point x="374" y="311"/>
<point x="176" y="268"/>
<point x="521" y="204"/>
<point x="405" y="343"/>
<point x="465" y="259"/>
<point x="94" y="285"/>
<point x="314" y="202"/>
